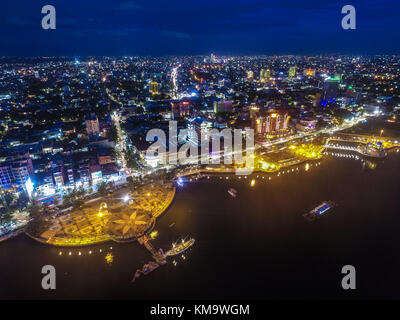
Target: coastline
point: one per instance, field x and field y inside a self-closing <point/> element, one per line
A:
<point x="83" y="242"/>
<point x="12" y="234"/>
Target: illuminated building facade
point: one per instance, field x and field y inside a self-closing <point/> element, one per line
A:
<point x="271" y="123"/>
<point x="223" y="106"/>
<point x="182" y="108"/>
<point x="92" y="125"/>
<point x="292" y="72"/>
<point x="58" y="179"/>
<point x="331" y="87"/>
<point x="15" y="172"/>
<point x="265" y="75"/>
<point x="196" y="126"/>
<point x="306" y="124"/>
<point x="309" y="72"/>
<point x="154" y="88"/>
<point x="353" y="95"/>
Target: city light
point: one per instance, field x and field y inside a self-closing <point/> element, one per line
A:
<point x="154" y="234"/>
<point x="109" y="258"/>
<point x="76" y="137"/>
<point x="29" y="187"/>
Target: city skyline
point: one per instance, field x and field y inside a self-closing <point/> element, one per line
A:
<point x="225" y="150"/>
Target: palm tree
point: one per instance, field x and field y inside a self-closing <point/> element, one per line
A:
<point x="129" y="223"/>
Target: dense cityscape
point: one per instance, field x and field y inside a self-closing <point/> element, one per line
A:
<point x="74" y="166"/>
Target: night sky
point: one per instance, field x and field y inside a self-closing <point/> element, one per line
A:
<point x="176" y="27"/>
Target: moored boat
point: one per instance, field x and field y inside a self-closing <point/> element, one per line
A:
<point x="232" y="192"/>
<point x="319" y="210"/>
<point x="180" y="247"/>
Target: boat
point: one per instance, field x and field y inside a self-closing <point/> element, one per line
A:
<point x="172" y="224"/>
<point x="232" y="192"/>
<point x="146" y="269"/>
<point x="318" y="211"/>
<point x="180" y="247"/>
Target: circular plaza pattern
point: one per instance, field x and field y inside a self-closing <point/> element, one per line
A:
<point x="120" y="216"/>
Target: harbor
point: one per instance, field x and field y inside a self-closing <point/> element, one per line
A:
<point x="160" y="258"/>
<point x="356" y="231"/>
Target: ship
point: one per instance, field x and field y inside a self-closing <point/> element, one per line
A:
<point x="180" y="247"/>
<point x="318" y="211"/>
<point x="146" y="269"/>
<point x="232" y="192"/>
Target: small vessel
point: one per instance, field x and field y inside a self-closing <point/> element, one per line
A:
<point x="172" y="224"/>
<point x="180" y="247"/>
<point x="319" y="210"/>
<point x="232" y="192"/>
<point x="146" y="269"/>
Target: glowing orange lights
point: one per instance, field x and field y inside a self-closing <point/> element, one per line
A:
<point x="109" y="258"/>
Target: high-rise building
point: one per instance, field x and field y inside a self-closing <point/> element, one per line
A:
<point x="270" y="122"/>
<point x="353" y="95"/>
<point x="223" y="106"/>
<point x="58" y="178"/>
<point x="292" y="72"/>
<point x="182" y="108"/>
<point x="198" y="125"/>
<point x="16" y="171"/>
<point x="92" y="125"/>
<point x="70" y="176"/>
<point x="250" y="74"/>
<point x="154" y="88"/>
<point x="330" y="92"/>
<point x="265" y="75"/>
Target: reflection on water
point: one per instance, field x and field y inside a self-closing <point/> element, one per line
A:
<point x="370" y="164"/>
<point x="109" y="258"/>
<point x="255" y="245"/>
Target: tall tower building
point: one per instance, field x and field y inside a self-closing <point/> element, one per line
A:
<point x="292" y="72"/>
<point x="330" y="93"/>
<point x="154" y="88"/>
<point x="265" y="75"/>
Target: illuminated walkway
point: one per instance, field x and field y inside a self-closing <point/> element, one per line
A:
<point x="91" y="225"/>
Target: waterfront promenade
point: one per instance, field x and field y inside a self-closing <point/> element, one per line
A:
<point x="120" y="216"/>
